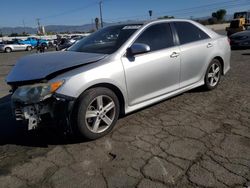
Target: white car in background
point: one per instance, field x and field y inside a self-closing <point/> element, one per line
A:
<point x="10" y="46"/>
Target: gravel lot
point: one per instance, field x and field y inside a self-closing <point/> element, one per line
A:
<point x="197" y="139"/>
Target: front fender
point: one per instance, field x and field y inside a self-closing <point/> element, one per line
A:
<point x="79" y="80"/>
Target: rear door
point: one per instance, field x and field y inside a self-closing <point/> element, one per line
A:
<point x="195" y="47"/>
<point x="155" y="73"/>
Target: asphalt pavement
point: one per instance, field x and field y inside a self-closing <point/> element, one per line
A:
<point x="196" y="139"/>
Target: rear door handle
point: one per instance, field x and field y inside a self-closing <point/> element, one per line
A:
<point x="174" y="55"/>
<point x="209" y="45"/>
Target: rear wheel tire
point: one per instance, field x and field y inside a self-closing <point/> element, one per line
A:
<point x="96" y="113"/>
<point x="213" y="74"/>
<point x="8" y="50"/>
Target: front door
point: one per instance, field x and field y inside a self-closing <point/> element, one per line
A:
<point x="157" y="72"/>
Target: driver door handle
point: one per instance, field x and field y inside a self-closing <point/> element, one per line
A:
<point x="174" y="55"/>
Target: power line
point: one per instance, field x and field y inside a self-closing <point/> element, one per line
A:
<point x="223" y="7"/>
<point x="189" y="10"/>
<point x="177" y="12"/>
<point x="71" y="11"/>
<point x="201" y="6"/>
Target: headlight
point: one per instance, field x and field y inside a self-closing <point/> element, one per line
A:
<point x="35" y="93"/>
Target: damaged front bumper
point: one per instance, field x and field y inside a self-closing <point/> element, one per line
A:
<point x="57" y="108"/>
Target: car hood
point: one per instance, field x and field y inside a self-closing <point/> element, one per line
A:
<point x="41" y="66"/>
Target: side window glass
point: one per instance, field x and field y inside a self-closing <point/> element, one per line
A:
<point x="158" y="37"/>
<point x="188" y="32"/>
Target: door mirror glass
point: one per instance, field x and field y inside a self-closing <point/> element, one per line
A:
<point x="138" y="48"/>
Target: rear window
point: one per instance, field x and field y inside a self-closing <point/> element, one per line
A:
<point x="188" y="32"/>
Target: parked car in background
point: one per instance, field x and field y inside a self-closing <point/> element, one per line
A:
<point x="63" y="44"/>
<point x="52" y="43"/>
<point x="240" y="40"/>
<point x="66" y="43"/>
<point x="10" y="46"/>
<point x="115" y="71"/>
<point x="34" y="41"/>
<point x="75" y="39"/>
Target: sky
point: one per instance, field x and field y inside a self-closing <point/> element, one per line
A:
<point x="79" y="12"/>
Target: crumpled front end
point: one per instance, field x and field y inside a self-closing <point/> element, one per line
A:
<point x="38" y="103"/>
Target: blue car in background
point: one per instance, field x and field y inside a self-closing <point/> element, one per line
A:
<point x="34" y="41"/>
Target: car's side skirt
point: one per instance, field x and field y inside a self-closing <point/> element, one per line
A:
<point x="129" y="109"/>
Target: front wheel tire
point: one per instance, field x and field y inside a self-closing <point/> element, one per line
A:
<point x="97" y="112"/>
<point x="213" y="74"/>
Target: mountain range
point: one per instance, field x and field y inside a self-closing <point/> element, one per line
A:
<point x="66" y="28"/>
<point x="49" y="28"/>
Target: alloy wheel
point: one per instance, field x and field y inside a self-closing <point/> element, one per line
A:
<point x="213" y="74"/>
<point x="100" y="114"/>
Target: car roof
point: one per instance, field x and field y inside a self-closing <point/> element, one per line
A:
<point x="202" y="27"/>
<point x="144" y="22"/>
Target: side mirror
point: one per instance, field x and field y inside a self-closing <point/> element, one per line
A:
<point x="138" y="48"/>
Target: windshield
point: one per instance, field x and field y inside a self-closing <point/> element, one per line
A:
<point x="106" y="40"/>
<point x="240" y="15"/>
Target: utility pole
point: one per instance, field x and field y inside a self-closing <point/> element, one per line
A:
<point x="38" y="25"/>
<point x="100" y="6"/>
<point x="92" y="23"/>
<point x="24" y="26"/>
<point x="38" y="22"/>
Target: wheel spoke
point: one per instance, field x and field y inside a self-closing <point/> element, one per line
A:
<point x="213" y="67"/>
<point x="96" y="124"/>
<point x="211" y="81"/>
<point x="210" y="75"/>
<point x="91" y="114"/>
<point x="217" y="70"/>
<point x="216" y="79"/>
<point x="109" y="106"/>
<point x="107" y="120"/>
<point x="99" y="102"/>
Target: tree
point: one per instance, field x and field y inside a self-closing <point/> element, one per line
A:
<point x="24" y="34"/>
<point x="219" y="15"/>
<point x="91" y="31"/>
<point x="13" y="35"/>
<point x="212" y="21"/>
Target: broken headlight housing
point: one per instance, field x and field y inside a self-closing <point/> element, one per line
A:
<point x="30" y="94"/>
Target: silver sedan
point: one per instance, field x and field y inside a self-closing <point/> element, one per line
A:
<point x="115" y="71"/>
<point x="10" y="46"/>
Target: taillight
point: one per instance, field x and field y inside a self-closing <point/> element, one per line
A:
<point x="229" y="41"/>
